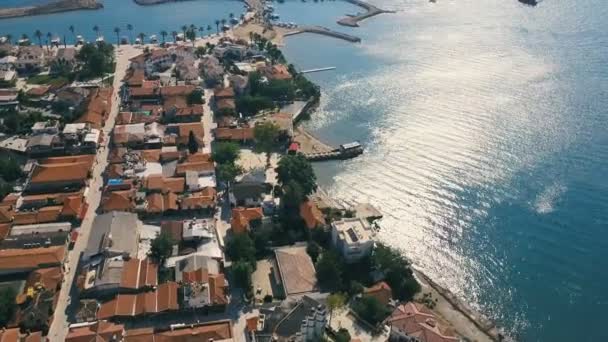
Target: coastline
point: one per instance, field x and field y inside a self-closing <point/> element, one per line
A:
<point x="155" y="2"/>
<point x="54" y="7"/>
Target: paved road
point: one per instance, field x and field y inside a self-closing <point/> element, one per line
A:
<point x="60" y="324"/>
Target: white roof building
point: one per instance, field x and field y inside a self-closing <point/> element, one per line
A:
<point x="353" y="237"/>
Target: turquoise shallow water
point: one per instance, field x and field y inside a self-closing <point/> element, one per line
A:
<point x="486" y="138"/>
<point x="118" y="13"/>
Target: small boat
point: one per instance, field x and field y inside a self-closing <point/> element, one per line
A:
<point x="225" y="28"/>
<point x="137" y="41"/>
<point x="79" y="40"/>
<point x="100" y="39"/>
<point x="56" y="41"/>
<point x="234" y="21"/>
<point x="124" y="40"/>
<point x="180" y="36"/>
<point x="153" y="39"/>
<point x="23" y="41"/>
<point x="274" y="17"/>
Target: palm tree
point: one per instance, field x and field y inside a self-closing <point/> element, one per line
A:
<point x="9" y="38"/>
<point x="174" y="34"/>
<point x="96" y="29"/>
<point x="163" y="34"/>
<point x="217" y="26"/>
<point x="141" y="37"/>
<point x="117" y="31"/>
<point x="184" y="29"/>
<point x="130" y="29"/>
<point x="209" y="28"/>
<point x="72" y="29"/>
<point x="192" y="31"/>
<point x="24" y="37"/>
<point x="38" y="35"/>
<point x="48" y="39"/>
<point x="231" y="16"/>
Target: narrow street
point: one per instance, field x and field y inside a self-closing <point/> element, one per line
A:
<point x="60" y="325"/>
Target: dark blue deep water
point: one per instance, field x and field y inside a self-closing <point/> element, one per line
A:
<point x="486" y="133"/>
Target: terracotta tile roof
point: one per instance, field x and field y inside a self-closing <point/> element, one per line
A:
<point x="9" y="335"/>
<point x="4" y="230"/>
<point x="225" y="104"/>
<point x="50" y="278"/>
<point x="159" y="203"/>
<point x="118" y="200"/>
<point x="151" y="155"/>
<point x="136" y="77"/>
<point x="199" y="157"/>
<point x="115" y="171"/>
<point x="177" y="90"/>
<point x="87" y="159"/>
<point x="235" y="134"/>
<point x="252" y="323"/>
<point x="277" y="72"/>
<point x="381" y="291"/>
<point x="144" y="92"/>
<point x="217" y="289"/>
<point x="417" y="321"/>
<point x="173" y="228"/>
<point x="117" y="154"/>
<point x="312" y="216"/>
<point x="6" y="214"/>
<point x="31" y="258"/>
<point x="162" y="184"/>
<point x="42" y="215"/>
<point x="38" y="91"/>
<point x="140" y="335"/>
<point x="220" y="93"/>
<point x="199" y="200"/>
<point x="137" y="274"/>
<point x="200" y="275"/>
<point x="197" y="110"/>
<point x="184" y="129"/>
<point x="296" y="269"/>
<point x="198" y="167"/>
<point x="241" y="217"/>
<point x="98" y="108"/>
<point x="174" y="102"/>
<point x="73" y="207"/>
<point x="213" y="331"/>
<point x="101" y="331"/>
<point x="67" y="172"/>
<point x="216" y="331"/>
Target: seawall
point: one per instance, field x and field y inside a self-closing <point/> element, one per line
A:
<point x="353" y="20"/>
<point x="54" y="7"/>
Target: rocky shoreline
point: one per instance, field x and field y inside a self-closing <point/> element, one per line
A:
<point x="53" y="7"/>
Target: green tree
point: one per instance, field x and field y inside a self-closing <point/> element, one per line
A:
<point x="397" y="272"/>
<point x="370" y="309"/>
<point x="329" y="272"/>
<point x="228" y="172"/>
<point x="265" y="135"/>
<point x="241" y="273"/>
<point x="226" y="152"/>
<point x="163" y="34"/>
<point x="195" y="97"/>
<point x="117" y="31"/>
<point x="161" y="248"/>
<point x="38" y="35"/>
<point x="335" y="302"/>
<point x="240" y="247"/>
<point x="295" y="167"/>
<point x="96" y="29"/>
<point x="292" y="195"/>
<point x="342" y="336"/>
<point x="313" y="250"/>
<point x="192" y="143"/>
<point x="251" y="105"/>
<point x="7" y="305"/>
<point x="10" y="170"/>
<point x="217" y="25"/>
<point x="97" y="60"/>
<point x="130" y="29"/>
<point x="72" y="30"/>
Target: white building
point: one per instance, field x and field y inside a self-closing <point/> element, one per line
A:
<point x="353" y="237"/>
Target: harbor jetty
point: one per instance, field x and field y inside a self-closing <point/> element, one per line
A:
<point x="371" y="10"/>
<point x="323" y="31"/>
<point x="316" y="150"/>
<point x="52" y="7"/>
<point x="154" y="2"/>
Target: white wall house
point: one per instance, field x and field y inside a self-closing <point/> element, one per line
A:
<point x="353" y="237"/>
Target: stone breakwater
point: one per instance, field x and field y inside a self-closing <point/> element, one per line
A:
<point x="53" y="7"/>
<point x="353" y="20"/>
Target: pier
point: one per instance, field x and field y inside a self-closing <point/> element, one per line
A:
<point x="353" y="20"/>
<point x="323" y="31"/>
<point x="316" y="150"/>
<point x="318" y="70"/>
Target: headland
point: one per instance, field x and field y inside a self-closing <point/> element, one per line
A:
<point x="53" y="7"/>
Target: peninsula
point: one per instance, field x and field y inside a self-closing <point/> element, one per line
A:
<point x="53" y="7"/>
